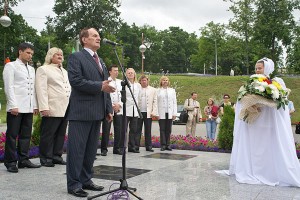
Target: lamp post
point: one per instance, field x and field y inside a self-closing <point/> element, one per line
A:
<point x="216" y="52"/>
<point x="142" y="49"/>
<point x="6" y="22"/>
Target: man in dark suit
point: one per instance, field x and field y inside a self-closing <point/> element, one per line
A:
<point x="89" y="104"/>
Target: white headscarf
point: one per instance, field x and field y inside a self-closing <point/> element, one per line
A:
<point x="268" y="66"/>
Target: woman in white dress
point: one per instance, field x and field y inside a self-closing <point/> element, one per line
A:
<point x="264" y="151"/>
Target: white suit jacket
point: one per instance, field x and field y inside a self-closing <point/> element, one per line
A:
<point x="19" y="87"/>
<point x="151" y="100"/>
<point x="171" y="102"/>
<point x="116" y="96"/>
<point x="53" y="89"/>
<point x="131" y="110"/>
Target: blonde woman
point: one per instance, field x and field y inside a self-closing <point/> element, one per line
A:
<point x="167" y="109"/>
<point x="131" y="109"/>
<point x="53" y="92"/>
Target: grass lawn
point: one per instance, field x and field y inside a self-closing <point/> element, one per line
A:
<point x="205" y="86"/>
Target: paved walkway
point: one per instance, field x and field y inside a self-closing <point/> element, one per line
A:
<point x="175" y="175"/>
<point x="169" y="178"/>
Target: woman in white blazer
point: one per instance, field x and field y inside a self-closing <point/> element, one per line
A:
<point x="131" y="109"/>
<point x="167" y="110"/>
<point x="53" y="92"/>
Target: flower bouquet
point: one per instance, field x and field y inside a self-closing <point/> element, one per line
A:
<point x="260" y="91"/>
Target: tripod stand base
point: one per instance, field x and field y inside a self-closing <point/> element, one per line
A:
<point x="123" y="186"/>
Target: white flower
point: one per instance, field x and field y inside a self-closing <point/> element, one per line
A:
<point x="275" y="94"/>
<point x="260" y="88"/>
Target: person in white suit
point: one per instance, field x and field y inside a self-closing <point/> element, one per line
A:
<point x="53" y="92"/>
<point x="148" y="106"/>
<point x="167" y="110"/>
<point x="19" y="78"/>
<point x="131" y="109"/>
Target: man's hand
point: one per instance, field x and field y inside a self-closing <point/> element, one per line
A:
<point x="109" y="117"/>
<point x="106" y="87"/>
<point x="174" y="117"/>
<point x="200" y="119"/>
<point x="35" y="111"/>
<point x="14" y="111"/>
<point x="116" y="107"/>
<point x="45" y="113"/>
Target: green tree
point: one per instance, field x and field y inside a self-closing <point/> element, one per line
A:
<point x="242" y="23"/>
<point x="225" y="136"/>
<point x="74" y="15"/>
<point x="178" y="46"/>
<point x="273" y="26"/>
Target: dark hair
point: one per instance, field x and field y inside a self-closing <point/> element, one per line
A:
<point x="226" y="95"/>
<point x="193" y="93"/>
<point x="112" y="66"/>
<point x="24" y="46"/>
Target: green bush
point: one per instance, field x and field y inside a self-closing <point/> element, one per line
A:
<point x="225" y="136"/>
<point x="35" y="137"/>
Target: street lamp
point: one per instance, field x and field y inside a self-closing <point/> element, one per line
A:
<point x="142" y="49"/>
<point x="216" y="52"/>
<point x="6" y="22"/>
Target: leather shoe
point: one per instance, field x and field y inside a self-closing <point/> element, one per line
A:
<point x="103" y="153"/>
<point x="150" y="149"/>
<point x="28" y="164"/>
<point x="118" y="152"/>
<point x="132" y="150"/>
<point x="169" y="149"/>
<point x="61" y="162"/>
<point x="162" y="148"/>
<point x="78" y="192"/>
<point x="48" y="164"/>
<point x="93" y="187"/>
<point x="12" y="169"/>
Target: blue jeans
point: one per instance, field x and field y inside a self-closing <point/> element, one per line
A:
<point x="211" y="126"/>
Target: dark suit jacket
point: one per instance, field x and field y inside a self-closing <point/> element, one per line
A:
<point x="87" y="100"/>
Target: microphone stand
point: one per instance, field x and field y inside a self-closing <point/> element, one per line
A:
<point x="123" y="184"/>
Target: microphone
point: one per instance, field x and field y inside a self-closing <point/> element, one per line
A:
<point x="106" y="41"/>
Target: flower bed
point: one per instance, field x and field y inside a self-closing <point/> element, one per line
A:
<point x="177" y="142"/>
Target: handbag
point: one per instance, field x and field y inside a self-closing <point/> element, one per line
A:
<point x="218" y="120"/>
<point x="184" y="116"/>
<point x="297" y="130"/>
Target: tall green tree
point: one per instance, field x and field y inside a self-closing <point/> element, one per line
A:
<point x="73" y="15"/>
<point x="212" y="39"/>
<point x="242" y="23"/>
<point x="274" y="25"/>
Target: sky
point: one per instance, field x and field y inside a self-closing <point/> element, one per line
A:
<point x="190" y="15"/>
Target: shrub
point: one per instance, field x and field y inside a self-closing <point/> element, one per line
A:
<point x="225" y="136"/>
<point x="35" y="137"/>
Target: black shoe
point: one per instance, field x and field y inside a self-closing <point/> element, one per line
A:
<point x="103" y="153"/>
<point x="162" y="149"/>
<point x="132" y="150"/>
<point x="93" y="187"/>
<point x="151" y="150"/>
<point x="12" y="169"/>
<point x="60" y="162"/>
<point x="169" y="149"/>
<point x="137" y="151"/>
<point x="47" y="164"/>
<point x="78" y="192"/>
<point x="118" y="152"/>
<point x="28" y="164"/>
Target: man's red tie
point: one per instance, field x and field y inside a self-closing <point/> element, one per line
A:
<point x="96" y="58"/>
